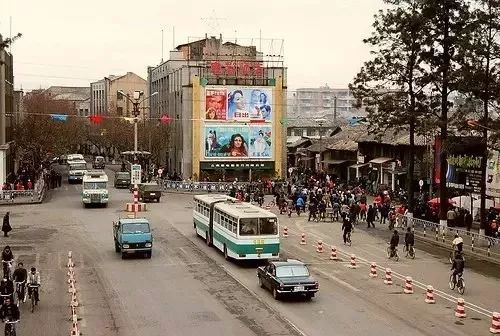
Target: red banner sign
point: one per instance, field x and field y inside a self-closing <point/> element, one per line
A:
<point x="238" y="68"/>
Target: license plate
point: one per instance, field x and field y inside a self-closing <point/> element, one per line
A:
<point x="152" y="194"/>
<point x="298" y="288"/>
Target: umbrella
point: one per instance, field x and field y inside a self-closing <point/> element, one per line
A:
<point x="463" y="201"/>
<point x="436" y="201"/>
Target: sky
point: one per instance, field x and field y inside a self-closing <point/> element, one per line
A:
<point x="73" y="43"/>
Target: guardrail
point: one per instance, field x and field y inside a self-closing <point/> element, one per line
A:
<point x="35" y="195"/>
<point x="474" y="243"/>
<point x="185" y="186"/>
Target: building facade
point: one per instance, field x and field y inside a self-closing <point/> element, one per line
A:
<point x="226" y="105"/>
<point x="6" y="112"/>
<point x="75" y="96"/>
<point x="106" y="100"/>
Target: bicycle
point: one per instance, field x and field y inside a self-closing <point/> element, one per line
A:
<point x="10" y="328"/>
<point x="410" y="252"/>
<point x="33" y="296"/>
<point x="460" y="284"/>
<point x="20" y="291"/>
<point x="7" y="268"/>
<point x="392" y="253"/>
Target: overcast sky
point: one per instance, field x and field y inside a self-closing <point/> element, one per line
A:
<point x="77" y="42"/>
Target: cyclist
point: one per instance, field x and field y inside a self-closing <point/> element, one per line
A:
<point x="21" y="275"/>
<point x="394" y="242"/>
<point x="7" y="288"/>
<point x="299" y="205"/>
<point x="7" y="257"/>
<point x="458" y="266"/>
<point x="457" y="244"/>
<point x="409" y="239"/>
<point x="34" y="280"/>
<point x="9" y="311"/>
<point x="347" y="227"/>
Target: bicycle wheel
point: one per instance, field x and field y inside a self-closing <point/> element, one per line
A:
<point x="389" y="252"/>
<point x="461" y="286"/>
<point x="32" y="302"/>
<point x="412" y="252"/>
<point x="451" y="283"/>
<point x="396" y="256"/>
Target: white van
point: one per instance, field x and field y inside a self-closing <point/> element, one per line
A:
<point x="74" y="157"/>
<point x="95" y="188"/>
<point x="77" y="169"/>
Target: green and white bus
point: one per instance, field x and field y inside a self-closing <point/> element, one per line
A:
<point x="240" y="230"/>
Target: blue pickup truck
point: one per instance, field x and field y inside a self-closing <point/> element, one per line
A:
<point x="133" y="235"/>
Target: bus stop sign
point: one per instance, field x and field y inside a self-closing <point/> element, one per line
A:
<point x="135" y="177"/>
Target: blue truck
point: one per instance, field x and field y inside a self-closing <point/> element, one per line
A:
<point x="133" y="236"/>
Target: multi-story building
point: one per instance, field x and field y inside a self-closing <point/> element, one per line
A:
<point x="105" y="98"/>
<point x="6" y="111"/>
<point x="226" y="103"/>
<point x="75" y="96"/>
<point x="311" y="102"/>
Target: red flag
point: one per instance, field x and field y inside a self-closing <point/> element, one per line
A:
<point x="96" y="119"/>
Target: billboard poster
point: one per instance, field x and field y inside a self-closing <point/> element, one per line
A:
<point x="463" y="162"/>
<point x="249" y="103"/>
<point x="223" y="141"/>
<point x="260" y="143"/>
<point x="216" y="104"/>
<point x="493" y="174"/>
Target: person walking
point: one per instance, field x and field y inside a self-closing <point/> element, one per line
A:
<point x="6" y="228"/>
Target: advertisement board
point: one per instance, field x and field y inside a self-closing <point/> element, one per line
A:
<point x="493" y="174"/>
<point x="224" y="141"/>
<point x="237" y="103"/>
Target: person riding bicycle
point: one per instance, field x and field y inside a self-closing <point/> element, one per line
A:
<point x="9" y="311"/>
<point x="409" y="239"/>
<point x="21" y="275"/>
<point x="34" y="280"/>
<point x="7" y="257"/>
<point x="347" y="227"/>
<point x="7" y="288"/>
<point x="457" y="244"/>
<point x="394" y="242"/>
<point x="299" y="205"/>
<point x="458" y="266"/>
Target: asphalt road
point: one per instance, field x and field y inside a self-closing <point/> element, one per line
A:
<point x="188" y="288"/>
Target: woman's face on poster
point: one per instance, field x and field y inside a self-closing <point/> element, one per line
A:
<point x="238" y="142"/>
<point x="239" y="100"/>
<point x="211" y="113"/>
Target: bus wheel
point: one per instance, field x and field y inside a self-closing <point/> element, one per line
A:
<point x="225" y="253"/>
<point x="207" y="238"/>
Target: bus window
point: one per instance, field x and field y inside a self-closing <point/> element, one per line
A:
<point x="268" y="226"/>
<point x="248" y="226"/>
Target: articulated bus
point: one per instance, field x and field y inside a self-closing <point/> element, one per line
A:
<point x="240" y="230"/>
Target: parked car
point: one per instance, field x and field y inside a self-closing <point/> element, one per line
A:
<point x="99" y="162"/>
<point x="122" y="180"/>
<point x="149" y="192"/>
<point x="290" y="277"/>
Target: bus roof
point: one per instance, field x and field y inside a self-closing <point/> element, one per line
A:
<point x="213" y="198"/>
<point x="243" y="210"/>
<point x="95" y="175"/>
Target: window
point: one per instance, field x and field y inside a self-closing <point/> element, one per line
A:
<point x="268" y="226"/>
<point x="135" y="228"/>
<point x="94" y="185"/>
<point x="249" y="226"/>
<point x="119" y="96"/>
<point x="292" y="271"/>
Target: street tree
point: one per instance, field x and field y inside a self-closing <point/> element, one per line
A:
<point x="390" y="84"/>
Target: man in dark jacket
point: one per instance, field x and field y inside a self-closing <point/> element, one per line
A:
<point x="370" y="216"/>
<point x="21" y="275"/>
<point x="409" y="238"/>
<point x="458" y="266"/>
<point x="6" y="228"/>
<point x="9" y="311"/>
<point x="394" y="242"/>
<point x="7" y="288"/>
<point x="346" y="227"/>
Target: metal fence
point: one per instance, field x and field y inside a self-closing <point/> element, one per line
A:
<point x="473" y="242"/>
<point x="223" y="187"/>
<point x="34" y="195"/>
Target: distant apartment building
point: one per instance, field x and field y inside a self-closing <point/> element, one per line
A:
<point x="75" y="96"/>
<point x="315" y="102"/>
<point x="105" y="98"/>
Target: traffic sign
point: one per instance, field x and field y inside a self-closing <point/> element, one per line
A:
<point x="135" y="177"/>
<point x="421" y="183"/>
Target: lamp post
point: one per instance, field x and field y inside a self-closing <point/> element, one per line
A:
<point x="136" y="102"/>
<point x="320" y="123"/>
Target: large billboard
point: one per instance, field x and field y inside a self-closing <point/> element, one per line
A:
<point x="223" y="141"/>
<point x="493" y="174"/>
<point x="238" y="104"/>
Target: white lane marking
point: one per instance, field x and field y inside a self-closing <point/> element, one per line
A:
<point x="334" y="278"/>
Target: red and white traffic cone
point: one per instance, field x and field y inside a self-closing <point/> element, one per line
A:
<point x="285" y="232"/>
<point x="303" y="239"/>
<point x="429" y="295"/>
<point x="373" y="270"/>
<point x="495" y="323"/>
<point x="408" y="286"/>
<point x="319" y="247"/>
<point x="460" y="309"/>
<point x="353" y="262"/>
<point x="388" y="276"/>
<point x="333" y="256"/>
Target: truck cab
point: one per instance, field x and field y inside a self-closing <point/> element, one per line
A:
<point x="133" y="235"/>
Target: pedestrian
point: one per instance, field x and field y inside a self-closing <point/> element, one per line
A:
<point x="6" y="228"/>
<point x="370" y="216"/>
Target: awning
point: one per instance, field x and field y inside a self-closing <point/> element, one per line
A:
<point x="359" y="165"/>
<point x="334" y="162"/>
<point x="381" y="160"/>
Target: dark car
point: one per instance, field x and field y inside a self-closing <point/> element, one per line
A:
<point x="122" y="179"/>
<point x="149" y="192"/>
<point x="289" y="277"/>
<point x="99" y="162"/>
